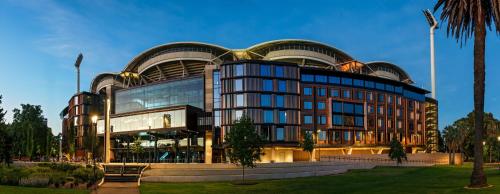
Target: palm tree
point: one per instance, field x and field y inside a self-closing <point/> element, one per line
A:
<point x="466" y="18"/>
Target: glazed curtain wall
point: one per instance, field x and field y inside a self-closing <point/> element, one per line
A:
<point x="173" y="93"/>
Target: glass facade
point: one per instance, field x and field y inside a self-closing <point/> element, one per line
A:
<point x="168" y="94"/>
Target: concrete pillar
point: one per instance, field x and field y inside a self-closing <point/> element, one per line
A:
<point x="208" y="147"/>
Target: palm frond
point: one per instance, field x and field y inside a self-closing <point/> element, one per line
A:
<point x="461" y="16"/>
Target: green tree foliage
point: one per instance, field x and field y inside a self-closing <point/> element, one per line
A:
<point x="33" y="136"/>
<point x="308" y="144"/>
<point x="5" y="138"/>
<point x="440" y="146"/>
<point x="397" y="151"/>
<point x="244" y="144"/>
<point x="136" y="147"/>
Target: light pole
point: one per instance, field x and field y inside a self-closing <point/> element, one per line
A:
<point x="433" y="24"/>
<point x="94" y="137"/>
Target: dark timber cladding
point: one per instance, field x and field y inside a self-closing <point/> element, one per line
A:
<point x="179" y="100"/>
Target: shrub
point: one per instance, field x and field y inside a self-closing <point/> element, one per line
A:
<point x="35" y="180"/>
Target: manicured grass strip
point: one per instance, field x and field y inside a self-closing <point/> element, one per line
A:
<point x="32" y="190"/>
<point x="440" y="179"/>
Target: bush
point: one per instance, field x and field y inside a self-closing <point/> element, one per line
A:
<point x="35" y="180"/>
<point x="11" y="176"/>
<point x="59" y="166"/>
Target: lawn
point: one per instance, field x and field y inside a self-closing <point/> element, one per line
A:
<point x="32" y="190"/>
<point x="440" y="179"/>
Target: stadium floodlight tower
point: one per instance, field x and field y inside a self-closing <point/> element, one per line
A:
<point x="433" y="25"/>
<point x="77" y="66"/>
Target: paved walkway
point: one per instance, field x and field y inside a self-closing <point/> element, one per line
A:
<point x="118" y="188"/>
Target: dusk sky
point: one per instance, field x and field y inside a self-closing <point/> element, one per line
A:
<point x="39" y="41"/>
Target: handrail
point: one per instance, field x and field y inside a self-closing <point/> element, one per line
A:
<point x="382" y="160"/>
<point x="140" y="174"/>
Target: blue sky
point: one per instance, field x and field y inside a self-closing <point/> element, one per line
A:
<point x="39" y="41"/>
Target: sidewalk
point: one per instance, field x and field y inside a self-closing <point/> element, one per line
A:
<point x="118" y="188"/>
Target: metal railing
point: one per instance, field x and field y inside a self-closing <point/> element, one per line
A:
<point x="377" y="160"/>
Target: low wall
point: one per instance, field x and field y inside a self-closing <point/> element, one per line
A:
<point x="433" y="158"/>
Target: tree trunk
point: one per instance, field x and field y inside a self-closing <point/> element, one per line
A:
<point x="243" y="177"/>
<point x="478" y="178"/>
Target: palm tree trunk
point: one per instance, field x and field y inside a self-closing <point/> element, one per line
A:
<point x="478" y="178"/>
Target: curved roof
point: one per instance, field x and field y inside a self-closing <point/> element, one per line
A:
<point x="98" y="79"/>
<point x="267" y="44"/>
<point x="137" y="59"/>
<point x="404" y="77"/>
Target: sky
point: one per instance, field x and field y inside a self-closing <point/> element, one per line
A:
<point x="40" y="39"/>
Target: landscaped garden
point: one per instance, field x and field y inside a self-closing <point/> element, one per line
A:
<point x="48" y="178"/>
<point x="439" y="179"/>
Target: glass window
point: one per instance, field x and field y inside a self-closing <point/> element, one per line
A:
<point x="265" y="70"/>
<point x="358" y="109"/>
<point x="381" y="97"/>
<point x="358" y="83"/>
<point x="334" y="93"/>
<point x="369" y="84"/>
<point x="280" y="102"/>
<point x="337" y="119"/>
<point x="321" y="106"/>
<point x="380" y="86"/>
<point x="398" y="89"/>
<point x="333" y="79"/>
<point x="239" y="100"/>
<point x="322" y="120"/>
<point x="161" y="95"/>
<point x="240" y="71"/>
<point x="348" y="108"/>
<point x="267" y="85"/>
<point x="282" y="115"/>
<point x="359" y="121"/>
<point x="238" y="114"/>
<point x="346" y="81"/>
<point x="347" y="136"/>
<point x="389" y="99"/>
<point x="268" y="116"/>
<point x="238" y="85"/>
<point x="282" y="85"/>
<point x="359" y="95"/>
<point x="337" y="107"/>
<point x="380" y="110"/>
<point x="280" y="134"/>
<point x="369" y="96"/>
<point x="321" y="78"/>
<point x="265" y="100"/>
<point x="347" y="94"/>
<point x="370" y="108"/>
<point x="307" y="78"/>
<point x="308" y="119"/>
<point x="322" y="135"/>
<point x="307" y="91"/>
<point x="279" y="71"/>
<point x="321" y="92"/>
<point x="389" y="110"/>
<point x="307" y="105"/>
<point x="389" y="88"/>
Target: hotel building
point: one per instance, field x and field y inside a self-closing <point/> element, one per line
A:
<point x="179" y="100"/>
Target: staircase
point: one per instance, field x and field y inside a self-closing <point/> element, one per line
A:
<point x="122" y="173"/>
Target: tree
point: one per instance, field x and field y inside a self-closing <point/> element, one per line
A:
<point x="5" y="139"/>
<point x="137" y="148"/>
<point x="396" y="151"/>
<point x="440" y="146"/>
<point x="466" y="18"/>
<point x="244" y="144"/>
<point x="452" y="139"/>
<point x="29" y="128"/>
<point x="308" y="144"/>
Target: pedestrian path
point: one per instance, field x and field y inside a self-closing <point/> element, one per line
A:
<point x="118" y="188"/>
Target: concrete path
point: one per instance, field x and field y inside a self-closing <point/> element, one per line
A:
<point x="118" y="188"/>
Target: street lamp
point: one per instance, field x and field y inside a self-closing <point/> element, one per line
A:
<point x="433" y="24"/>
<point x="94" y="137"/>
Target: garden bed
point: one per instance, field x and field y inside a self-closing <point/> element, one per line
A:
<point x="53" y="175"/>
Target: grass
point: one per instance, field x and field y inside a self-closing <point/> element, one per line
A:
<point x="28" y="190"/>
<point x="439" y="179"/>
